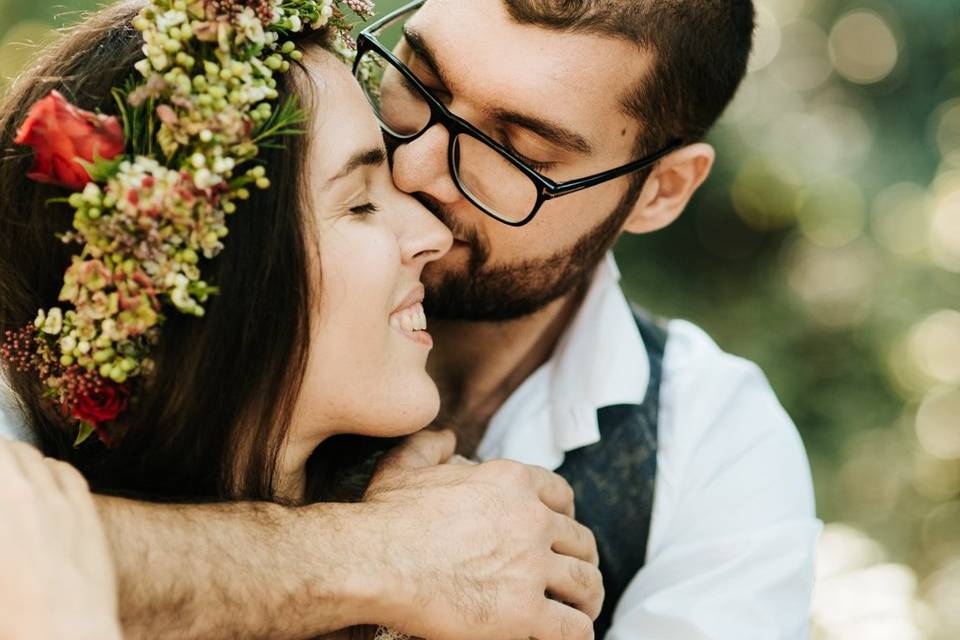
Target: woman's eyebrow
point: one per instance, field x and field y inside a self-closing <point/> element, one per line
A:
<point x="373" y="157"/>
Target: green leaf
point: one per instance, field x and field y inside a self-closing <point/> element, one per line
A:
<point x="101" y="169"/>
<point x="137" y="121"/>
<point x="285" y="121"/>
<point x="86" y="429"/>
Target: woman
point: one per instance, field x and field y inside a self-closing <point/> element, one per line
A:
<point x="318" y="304"/>
<point x="316" y="328"/>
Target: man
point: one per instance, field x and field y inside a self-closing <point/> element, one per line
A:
<point x="539" y="131"/>
<point x="540" y="359"/>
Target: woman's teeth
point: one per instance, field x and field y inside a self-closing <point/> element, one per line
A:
<point x="412" y="318"/>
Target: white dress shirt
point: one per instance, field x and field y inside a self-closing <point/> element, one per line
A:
<point x="731" y="548"/>
<point x="733" y="530"/>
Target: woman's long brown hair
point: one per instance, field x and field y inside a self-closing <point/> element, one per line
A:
<point x="209" y="422"/>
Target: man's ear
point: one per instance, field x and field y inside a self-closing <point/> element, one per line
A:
<point x="669" y="187"/>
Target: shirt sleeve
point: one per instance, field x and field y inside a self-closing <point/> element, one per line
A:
<point x="734" y="530"/>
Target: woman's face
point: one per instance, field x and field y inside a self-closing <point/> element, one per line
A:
<point x="366" y="367"/>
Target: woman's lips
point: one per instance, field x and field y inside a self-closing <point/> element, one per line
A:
<point x="411" y="321"/>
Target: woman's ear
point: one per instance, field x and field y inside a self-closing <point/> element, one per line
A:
<point x="669" y="187"/>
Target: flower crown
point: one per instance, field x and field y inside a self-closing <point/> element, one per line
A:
<point x="153" y="188"/>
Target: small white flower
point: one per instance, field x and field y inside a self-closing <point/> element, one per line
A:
<point x="160" y="61"/>
<point x="68" y="344"/>
<point x="203" y="178"/>
<point x="170" y="19"/>
<point x="54" y="322"/>
<point x="92" y="193"/>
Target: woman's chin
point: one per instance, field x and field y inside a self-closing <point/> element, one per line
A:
<point x="418" y="412"/>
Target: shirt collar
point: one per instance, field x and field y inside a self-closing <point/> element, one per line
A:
<point x="599" y="361"/>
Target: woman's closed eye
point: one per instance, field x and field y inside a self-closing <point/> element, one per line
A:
<point x="364" y="209"/>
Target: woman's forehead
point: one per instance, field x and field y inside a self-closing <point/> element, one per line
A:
<point x="340" y="119"/>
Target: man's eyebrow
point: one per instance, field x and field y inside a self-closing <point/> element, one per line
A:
<point x="549" y="131"/>
<point x="373" y="157"/>
<point x="422" y="50"/>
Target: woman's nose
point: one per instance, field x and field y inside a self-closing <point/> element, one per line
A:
<point x="423" y="237"/>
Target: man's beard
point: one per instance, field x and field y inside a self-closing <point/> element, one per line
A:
<point x="508" y="291"/>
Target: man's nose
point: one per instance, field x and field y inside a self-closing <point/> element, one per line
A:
<point x="421" y="166"/>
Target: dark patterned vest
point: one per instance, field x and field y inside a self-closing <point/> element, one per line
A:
<point x="614" y="479"/>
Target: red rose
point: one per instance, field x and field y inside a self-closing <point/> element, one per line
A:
<point x="60" y="133"/>
<point x="102" y="404"/>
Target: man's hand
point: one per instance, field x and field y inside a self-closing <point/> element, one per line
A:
<point x="479" y="551"/>
<point x="56" y="578"/>
<point x="442" y="551"/>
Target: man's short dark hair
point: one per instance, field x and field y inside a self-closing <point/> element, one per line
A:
<point x="699" y="51"/>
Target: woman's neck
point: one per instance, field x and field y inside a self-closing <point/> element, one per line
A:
<point x="291" y="479"/>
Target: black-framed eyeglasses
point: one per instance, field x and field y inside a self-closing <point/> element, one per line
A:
<point x="491" y="177"/>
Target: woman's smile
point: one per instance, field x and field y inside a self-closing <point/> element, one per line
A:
<point x="410" y="319"/>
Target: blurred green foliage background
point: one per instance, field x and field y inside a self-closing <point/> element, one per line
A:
<point x="825" y="247"/>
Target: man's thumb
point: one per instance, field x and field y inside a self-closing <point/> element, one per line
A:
<point x="422" y="449"/>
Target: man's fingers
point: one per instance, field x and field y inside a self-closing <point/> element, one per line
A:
<point x="422" y="449"/>
<point x="34" y="468"/>
<point x="562" y="622"/>
<point x="553" y="490"/>
<point x="576" y="583"/>
<point x="71" y="483"/>
<point x="8" y="463"/>
<point x="12" y="481"/>
<point x="575" y="540"/>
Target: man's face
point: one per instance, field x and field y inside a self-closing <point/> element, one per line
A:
<point x="555" y="99"/>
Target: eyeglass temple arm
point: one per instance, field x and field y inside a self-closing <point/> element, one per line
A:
<point x="579" y="184"/>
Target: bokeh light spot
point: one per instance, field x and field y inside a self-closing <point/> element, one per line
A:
<point x="945" y="231"/>
<point x="803" y="63"/>
<point x="934" y="478"/>
<point x="863" y="47"/>
<point x="935" y="347"/>
<point x="942" y="591"/>
<point x="856" y="595"/>
<point x="938" y="424"/>
<point x="785" y="10"/>
<point x="766" y="39"/>
<point x="835" y="285"/>
<point x="947" y="131"/>
<point x="899" y="218"/>
<point x="832" y="213"/>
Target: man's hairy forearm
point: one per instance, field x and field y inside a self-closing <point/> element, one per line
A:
<point x="237" y="570"/>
